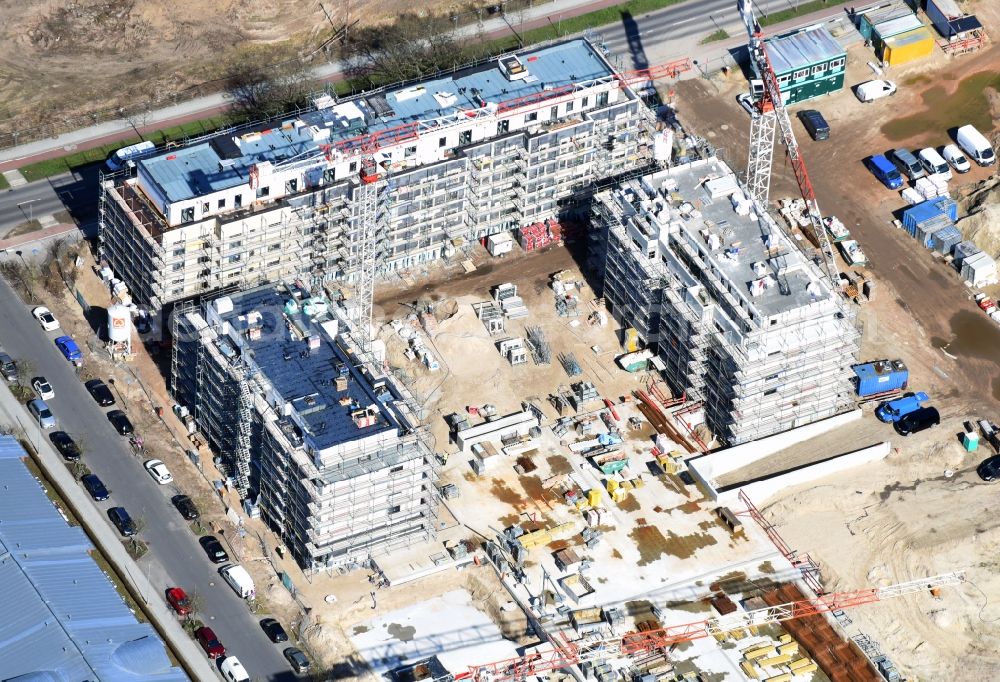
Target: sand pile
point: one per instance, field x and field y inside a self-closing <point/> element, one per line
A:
<point x="982" y="221"/>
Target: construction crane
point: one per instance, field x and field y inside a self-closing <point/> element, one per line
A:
<point x="565" y="653"/>
<point x="374" y="188"/>
<point x="771" y="114"/>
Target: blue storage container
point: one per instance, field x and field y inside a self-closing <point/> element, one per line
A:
<point x="927" y="210"/>
<point x="881" y="376"/>
<point x="945" y="239"/>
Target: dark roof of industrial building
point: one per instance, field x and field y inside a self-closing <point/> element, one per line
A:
<point x="307" y="377"/>
<point x="60" y="616"/>
<point x="803" y="48"/>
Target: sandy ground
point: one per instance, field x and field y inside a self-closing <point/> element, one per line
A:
<point x="903" y="518"/>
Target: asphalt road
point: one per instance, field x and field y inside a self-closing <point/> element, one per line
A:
<point x="34" y="200"/>
<point x="175" y="558"/>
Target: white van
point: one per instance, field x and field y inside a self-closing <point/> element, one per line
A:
<point x="233" y="670"/>
<point x="120" y="158"/>
<point x="975" y="145"/>
<point x="933" y="163"/>
<point x="239" y="580"/>
<point x="870" y="91"/>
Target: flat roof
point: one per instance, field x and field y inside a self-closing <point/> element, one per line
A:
<point x="893" y="27"/>
<point x="60" y="616"/>
<point x="225" y="160"/>
<point x="802" y="48"/>
<point x="306" y="377"/>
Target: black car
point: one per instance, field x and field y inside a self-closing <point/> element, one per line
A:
<point x="65" y="445"/>
<point x="121" y="422"/>
<point x="213" y="548"/>
<point x="93" y="485"/>
<point x="185" y="505"/>
<point x="989" y="468"/>
<point x="917" y="421"/>
<point x="296" y="659"/>
<point x="815" y="124"/>
<point x="273" y="630"/>
<point x="123" y="522"/>
<point x="100" y="392"/>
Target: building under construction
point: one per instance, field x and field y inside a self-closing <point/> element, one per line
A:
<point x="412" y="172"/>
<point x="327" y="446"/>
<point x="742" y="320"/>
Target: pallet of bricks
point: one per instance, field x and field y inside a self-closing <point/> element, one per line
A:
<point x="838" y="658"/>
<point x="539" y="235"/>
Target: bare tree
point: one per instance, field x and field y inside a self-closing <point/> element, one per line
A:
<point x="261" y="90"/>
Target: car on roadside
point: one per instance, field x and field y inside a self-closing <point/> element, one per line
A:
<point x="70" y="350"/>
<point x="233" y="670"/>
<point x="121" y="422"/>
<point x="186" y="506"/>
<point x="43" y="388"/>
<point x="95" y="486"/>
<point x="8" y="368"/>
<point x="42" y="414"/>
<point x="989" y="468"/>
<point x="158" y="470"/>
<point x="213" y="548"/>
<point x="123" y="522"/>
<point x="178" y="600"/>
<point x="209" y="642"/>
<point x="296" y="659"/>
<point x="66" y="446"/>
<point x="45" y="318"/>
<point x="100" y="392"/>
<point x="953" y="155"/>
<point x="272" y="628"/>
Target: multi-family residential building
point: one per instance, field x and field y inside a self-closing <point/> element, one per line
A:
<point x="741" y="320"/>
<point x="327" y="446"/>
<point x="487" y="148"/>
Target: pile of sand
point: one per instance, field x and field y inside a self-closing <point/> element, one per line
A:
<point x="982" y="222"/>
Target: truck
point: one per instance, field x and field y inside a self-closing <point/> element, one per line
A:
<point x="894" y="410"/>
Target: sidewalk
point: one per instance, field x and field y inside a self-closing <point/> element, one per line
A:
<point x="182" y="646"/>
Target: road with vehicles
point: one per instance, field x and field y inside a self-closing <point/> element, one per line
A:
<point x="175" y="558"/>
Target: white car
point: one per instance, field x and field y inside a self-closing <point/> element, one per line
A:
<point x="43" y="388"/>
<point x="158" y="470"/>
<point x="746" y="101"/>
<point x="953" y="155"/>
<point x="870" y="91"/>
<point x="233" y="670"/>
<point x="45" y="318"/>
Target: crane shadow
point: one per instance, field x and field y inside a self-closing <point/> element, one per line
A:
<point x="636" y="51"/>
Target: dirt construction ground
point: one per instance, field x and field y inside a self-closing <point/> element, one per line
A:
<point x="923" y="511"/>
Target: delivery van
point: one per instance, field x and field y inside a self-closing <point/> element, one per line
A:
<point x="239" y="580"/>
<point x="123" y="156"/>
<point x="975" y="145"/>
<point x="870" y="91"/>
<point x="934" y="163"/>
<point x="894" y="410"/>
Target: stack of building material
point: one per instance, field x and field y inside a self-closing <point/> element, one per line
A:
<point x="911" y="196"/>
<point x="534" y="236"/>
<point x="925" y="230"/>
<point x="837" y="230"/>
<point x="979" y="269"/>
<point x="584" y="392"/>
<point x="570" y="364"/>
<point x="514" y="308"/>
<point x="567" y="306"/>
<point x="963" y="250"/>
<point x="928" y="189"/>
<point x="924" y="219"/>
<point x="541" y="353"/>
<point x="945" y="239"/>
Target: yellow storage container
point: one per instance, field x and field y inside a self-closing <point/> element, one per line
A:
<point x="594" y="497"/>
<point x="785" y="638"/>
<point x="612" y="485"/>
<point x="759" y="652"/>
<point x="775" y="660"/>
<point x="907" y="47"/>
<point x="790" y="648"/>
<point x="749" y="670"/>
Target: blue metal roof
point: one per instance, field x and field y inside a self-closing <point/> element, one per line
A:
<point x="296" y="372"/>
<point x="200" y="169"/>
<point x="802" y="48"/>
<point x="60" y="616"/>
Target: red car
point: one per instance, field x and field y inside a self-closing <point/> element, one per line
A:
<point x="179" y="601"/>
<point x="209" y="642"/>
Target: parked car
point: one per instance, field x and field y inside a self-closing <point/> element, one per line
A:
<point x="185" y="505"/>
<point x="158" y="470"/>
<point x="42" y="414"/>
<point x="869" y="91"/>
<point x="886" y="173"/>
<point x="70" y="350"/>
<point x="933" y="163"/>
<point x="209" y="642"/>
<point x="100" y="392"/>
<point x="746" y="101"/>
<point x="989" y="468"/>
<point x="43" y="388"/>
<point x="296" y="659"/>
<point x="45" y="318"/>
<point x="8" y="368"/>
<point x="907" y="163"/>
<point x="66" y="446"/>
<point x="953" y="155"/>
<point x="815" y="124"/>
<point x="233" y="670"/>
<point x="178" y="600"/>
<point x="93" y="485"/>
<point x="121" y="422"/>
<point x="272" y="628"/>
<point x="917" y="421"/>
<point x="123" y="522"/>
<point x="213" y="548"/>
<point x="894" y="410"/>
<point x="975" y="145"/>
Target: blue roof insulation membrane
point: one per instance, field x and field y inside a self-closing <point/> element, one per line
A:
<point x="801" y="49"/>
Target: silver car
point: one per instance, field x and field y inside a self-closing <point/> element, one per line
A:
<point x="42" y="414"/>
